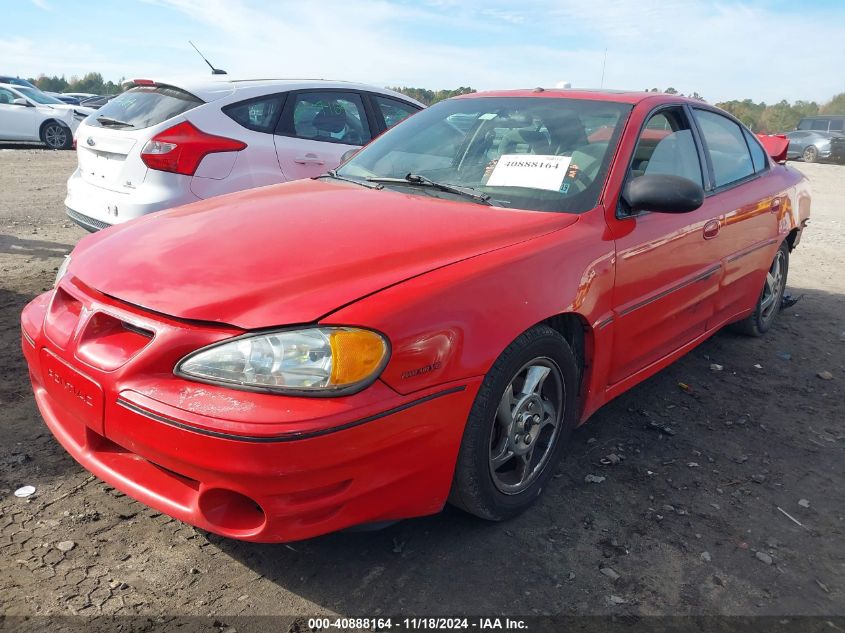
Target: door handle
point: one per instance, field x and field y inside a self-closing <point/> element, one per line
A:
<point x="711" y="229"/>
<point x="309" y="159"/>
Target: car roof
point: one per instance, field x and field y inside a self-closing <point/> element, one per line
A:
<point x="616" y="96"/>
<point x="211" y="88"/>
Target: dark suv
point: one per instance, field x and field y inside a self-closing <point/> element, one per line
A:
<point x="823" y="123"/>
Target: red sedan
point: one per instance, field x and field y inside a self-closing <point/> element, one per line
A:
<point x="426" y="324"/>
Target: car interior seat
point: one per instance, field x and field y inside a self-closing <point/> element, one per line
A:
<point x="524" y="141"/>
<point x="332" y="119"/>
<point x="675" y="155"/>
<point x="567" y="133"/>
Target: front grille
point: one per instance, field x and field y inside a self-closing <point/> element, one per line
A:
<point x="86" y="222"/>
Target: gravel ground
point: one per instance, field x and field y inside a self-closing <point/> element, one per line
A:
<point x="687" y="522"/>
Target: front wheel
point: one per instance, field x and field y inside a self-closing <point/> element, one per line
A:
<point x="768" y="304"/>
<point x="810" y="154"/>
<point x="57" y="136"/>
<point x="519" y="422"/>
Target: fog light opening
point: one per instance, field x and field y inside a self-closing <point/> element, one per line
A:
<point x="231" y="511"/>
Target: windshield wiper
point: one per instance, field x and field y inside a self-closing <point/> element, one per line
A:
<point x="332" y="173"/>
<point x="107" y="120"/>
<point x="424" y="181"/>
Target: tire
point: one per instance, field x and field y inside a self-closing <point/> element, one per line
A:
<point x="810" y="154"/>
<point x="56" y="136"/>
<point x="768" y="304"/>
<point x="532" y="422"/>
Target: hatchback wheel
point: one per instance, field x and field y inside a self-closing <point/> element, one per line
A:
<point x="768" y="304"/>
<point x="57" y="136"/>
<point x="519" y="422"/>
<point x="810" y="154"/>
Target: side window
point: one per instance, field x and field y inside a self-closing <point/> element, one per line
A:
<point x="726" y="146"/>
<point x="333" y="117"/>
<point x="758" y="155"/>
<point x="837" y="125"/>
<point x="666" y="146"/>
<point x="259" y="115"/>
<point x="6" y="96"/>
<point x="393" y="110"/>
<point x="820" y="125"/>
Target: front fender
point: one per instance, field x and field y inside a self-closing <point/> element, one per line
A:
<point x="452" y="323"/>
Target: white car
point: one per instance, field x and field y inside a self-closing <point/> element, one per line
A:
<point x="162" y="144"/>
<point x="27" y="114"/>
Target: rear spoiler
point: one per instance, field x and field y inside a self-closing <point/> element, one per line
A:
<point x="775" y="146"/>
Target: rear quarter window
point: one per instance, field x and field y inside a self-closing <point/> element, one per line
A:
<point x="145" y="106"/>
<point x="260" y="114"/>
<point x="758" y="155"/>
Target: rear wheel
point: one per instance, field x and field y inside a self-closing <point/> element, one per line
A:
<point x="56" y="136"/>
<point x="810" y="154"/>
<point x="518" y="424"/>
<point x="768" y="305"/>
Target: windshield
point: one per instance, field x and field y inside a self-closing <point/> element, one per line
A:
<point x="145" y="106"/>
<point x="538" y="153"/>
<point x="37" y="95"/>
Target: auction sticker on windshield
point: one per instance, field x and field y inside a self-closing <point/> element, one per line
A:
<point x="531" y="171"/>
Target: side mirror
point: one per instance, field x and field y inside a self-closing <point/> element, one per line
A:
<point x="22" y="102"/>
<point x="663" y="193"/>
<point x="349" y="154"/>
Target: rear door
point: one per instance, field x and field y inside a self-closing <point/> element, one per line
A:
<point x="317" y="127"/>
<point x="109" y="144"/>
<point x="749" y="209"/>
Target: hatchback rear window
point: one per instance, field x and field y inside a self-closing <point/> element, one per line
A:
<point x="144" y="106"/>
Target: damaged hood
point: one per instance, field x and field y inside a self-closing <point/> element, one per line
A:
<point x="291" y="253"/>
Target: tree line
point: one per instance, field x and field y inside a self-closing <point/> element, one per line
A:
<point x="759" y="117"/>
<point x="429" y="97"/>
<point x="90" y="82"/>
<point x="782" y="116"/>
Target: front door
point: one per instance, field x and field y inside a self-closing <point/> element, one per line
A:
<point x="667" y="272"/>
<point x="17" y="122"/>
<point x="317" y="128"/>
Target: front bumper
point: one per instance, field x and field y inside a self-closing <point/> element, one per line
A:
<point x="256" y="467"/>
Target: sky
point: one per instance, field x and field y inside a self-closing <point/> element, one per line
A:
<point x="763" y="50"/>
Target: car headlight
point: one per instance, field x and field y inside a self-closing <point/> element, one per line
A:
<point x="315" y="361"/>
<point x="62" y="270"/>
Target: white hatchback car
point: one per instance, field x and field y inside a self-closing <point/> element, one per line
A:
<point x="162" y="144"/>
<point x="27" y="114"/>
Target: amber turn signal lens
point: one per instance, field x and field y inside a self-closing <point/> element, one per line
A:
<point x="356" y="354"/>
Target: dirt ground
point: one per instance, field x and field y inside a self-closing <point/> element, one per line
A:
<point x="689" y="521"/>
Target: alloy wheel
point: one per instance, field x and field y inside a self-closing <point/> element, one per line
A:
<point x="55" y="136"/>
<point x="527" y="425"/>
<point x="773" y="290"/>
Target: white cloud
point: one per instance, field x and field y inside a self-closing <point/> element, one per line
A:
<point x="720" y="50"/>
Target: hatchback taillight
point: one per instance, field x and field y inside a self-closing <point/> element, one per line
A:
<point x="181" y="148"/>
